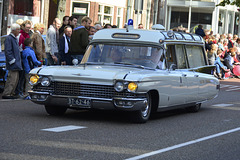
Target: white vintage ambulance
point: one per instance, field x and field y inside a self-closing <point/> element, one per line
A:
<point x="137" y="71"/>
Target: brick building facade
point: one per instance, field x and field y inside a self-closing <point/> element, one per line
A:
<point x="44" y="11"/>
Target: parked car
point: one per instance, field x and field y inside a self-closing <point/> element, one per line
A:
<point x="3" y="71"/>
<point x="139" y="71"/>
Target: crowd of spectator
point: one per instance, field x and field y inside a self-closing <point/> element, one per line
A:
<point x="223" y="51"/>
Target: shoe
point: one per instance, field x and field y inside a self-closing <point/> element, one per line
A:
<point x="21" y="96"/>
<point x="215" y="74"/>
<point x="9" y="97"/>
<point x="27" y="98"/>
<point x="235" y="76"/>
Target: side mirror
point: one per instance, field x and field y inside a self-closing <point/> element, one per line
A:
<point x="75" y="62"/>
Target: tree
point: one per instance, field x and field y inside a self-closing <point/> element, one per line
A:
<point x="229" y="2"/>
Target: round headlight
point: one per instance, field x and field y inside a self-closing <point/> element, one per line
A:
<point x="132" y="87"/>
<point x="45" y="81"/>
<point x="34" y="79"/>
<point x="119" y="86"/>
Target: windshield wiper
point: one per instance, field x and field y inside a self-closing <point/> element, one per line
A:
<point x="92" y="63"/>
<point x="131" y="64"/>
<point x="124" y="63"/>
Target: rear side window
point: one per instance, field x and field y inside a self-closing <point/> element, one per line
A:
<point x="181" y="58"/>
<point x="171" y="55"/>
<point x="195" y="56"/>
<point x="176" y="55"/>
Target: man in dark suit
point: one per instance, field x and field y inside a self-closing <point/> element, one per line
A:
<point x="13" y="62"/>
<point x="64" y="46"/>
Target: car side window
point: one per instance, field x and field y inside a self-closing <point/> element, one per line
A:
<point x="195" y="56"/>
<point x="170" y="55"/>
<point x="181" y="57"/>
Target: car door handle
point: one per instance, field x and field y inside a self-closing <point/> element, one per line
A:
<point x="184" y="75"/>
<point x="196" y="75"/>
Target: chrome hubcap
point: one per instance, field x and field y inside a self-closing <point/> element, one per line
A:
<point x="145" y="109"/>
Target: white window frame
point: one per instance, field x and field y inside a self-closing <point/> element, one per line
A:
<point x="104" y="14"/>
<point x="120" y="16"/>
<point x="76" y="1"/>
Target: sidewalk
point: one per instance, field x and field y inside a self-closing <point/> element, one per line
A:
<point x="231" y="80"/>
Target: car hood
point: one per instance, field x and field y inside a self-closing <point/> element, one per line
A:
<point x="91" y="73"/>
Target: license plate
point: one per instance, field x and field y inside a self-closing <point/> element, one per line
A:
<point x="79" y="102"/>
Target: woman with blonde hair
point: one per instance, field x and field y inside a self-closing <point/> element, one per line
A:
<point x="212" y="54"/>
<point x="20" y="22"/>
<point x="38" y="43"/>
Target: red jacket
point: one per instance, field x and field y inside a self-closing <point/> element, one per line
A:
<point x="22" y="37"/>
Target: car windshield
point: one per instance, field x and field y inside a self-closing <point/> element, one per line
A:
<point x="145" y="56"/>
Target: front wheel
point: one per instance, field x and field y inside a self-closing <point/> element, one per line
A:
<point x="55" y="110"/>
<point x="142" y="116"/>
<point x="194" y="108"/>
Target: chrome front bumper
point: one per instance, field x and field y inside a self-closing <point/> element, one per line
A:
<point x="130" y="104"/>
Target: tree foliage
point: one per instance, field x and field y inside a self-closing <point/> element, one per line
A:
<point x="229" y="2"/>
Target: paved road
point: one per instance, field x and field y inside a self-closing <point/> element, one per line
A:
<point x="27" y="132"/>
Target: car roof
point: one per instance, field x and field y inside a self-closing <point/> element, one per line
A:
<point x="141" y="35"/>
<point x="131" y="35"/>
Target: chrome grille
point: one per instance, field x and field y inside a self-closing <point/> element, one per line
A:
<point x="85" y="90"/>
<point x="40" y="88"/>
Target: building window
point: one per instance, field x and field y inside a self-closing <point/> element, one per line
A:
<point x="105" y="14"/>
<point x="100" y="8"/>
<point x="230" y="23"/>
<point x="107" y="10"/>
<point x="23" y="7"/>
<point x="79" y="10"/>
<point x="181" y="18"/>
<point x="236" y="24"/>
<point x="221" y="24"/>
<point x="119" y="17"/>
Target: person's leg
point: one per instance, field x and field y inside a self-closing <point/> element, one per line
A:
<point x="217" y="68"/>
<point x="59" y="59"/>
<point x="11" y="83"/>
<point x="27" y="85"/>
<point x="68" y="59"/>
<point x="218" y="72"/>
<point x="50" y="61"/>
<point x="20" y="86"/>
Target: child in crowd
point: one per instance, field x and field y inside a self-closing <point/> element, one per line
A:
<point x="220" y="68"/>
<point x="212" y="54"/>
<point x="29" y="62"/>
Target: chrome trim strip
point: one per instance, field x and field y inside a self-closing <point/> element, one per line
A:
<point x="92" y="98"/>
<point x="130" y="99"/>
<point x="34" y="92"/>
